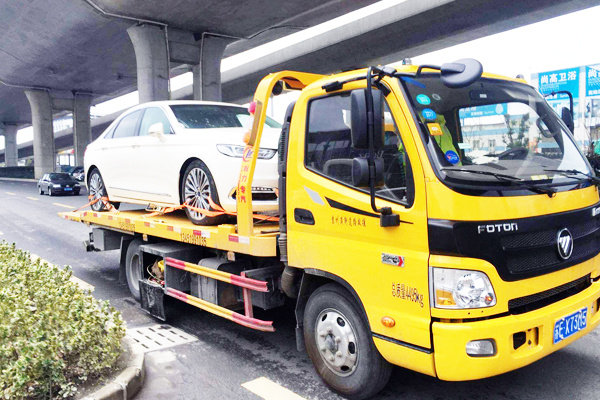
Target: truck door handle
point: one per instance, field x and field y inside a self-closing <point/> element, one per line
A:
<point x="303" y="216"/>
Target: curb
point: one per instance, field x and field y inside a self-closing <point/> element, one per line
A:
<point x="18" y="179"/>
<point x="126" y="385"/>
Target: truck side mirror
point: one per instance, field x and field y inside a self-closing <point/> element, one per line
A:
<point x="567" y="118"/>
<point x="461" y="73"/>
<point x="359" y="120"/>
<point x="360" y="172"/>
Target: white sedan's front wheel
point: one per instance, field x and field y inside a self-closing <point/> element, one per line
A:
<point x="197" y="186"/>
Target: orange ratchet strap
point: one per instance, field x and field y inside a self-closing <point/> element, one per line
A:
<point x="104" y="199"/>
<point x="219" y="211"/>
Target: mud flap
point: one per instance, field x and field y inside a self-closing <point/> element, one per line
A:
<point x="153" y="299"/>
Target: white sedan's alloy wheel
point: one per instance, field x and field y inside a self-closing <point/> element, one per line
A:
<point x="197" y="191"/>
<point x="96" y="191"/>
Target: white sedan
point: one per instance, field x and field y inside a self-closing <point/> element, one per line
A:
<point x="170" y="152"/>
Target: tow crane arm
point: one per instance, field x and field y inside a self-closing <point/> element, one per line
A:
<point x="294" y="80"/>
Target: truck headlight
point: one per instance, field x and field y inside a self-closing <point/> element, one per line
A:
<point x="232" y="150"/>
<point x="459" y="289"/>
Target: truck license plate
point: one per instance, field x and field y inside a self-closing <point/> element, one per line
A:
<point x="570" y="325"/>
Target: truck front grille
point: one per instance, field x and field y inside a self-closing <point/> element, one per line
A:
<point x="538" y="300"/>
<point x="537" y="250"/>
<point x="520" y="248"/>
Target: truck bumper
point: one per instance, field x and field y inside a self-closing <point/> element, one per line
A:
<point x="450" y="338"/>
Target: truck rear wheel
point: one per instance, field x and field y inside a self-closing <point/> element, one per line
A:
<point x="133" y="268"/>
<point x="339" y="343"/>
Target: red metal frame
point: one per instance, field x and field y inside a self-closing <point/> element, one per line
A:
<point x="247" y="284"/>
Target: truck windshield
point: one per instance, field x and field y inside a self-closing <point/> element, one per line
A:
<point x="203" y="116"/>
<point x="495" y="136"/>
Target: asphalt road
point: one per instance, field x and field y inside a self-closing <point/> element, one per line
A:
<point x="227" y="355"/>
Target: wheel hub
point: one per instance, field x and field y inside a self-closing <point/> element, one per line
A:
<point x="197" y="191"/>
<point x="96" y="190"/>
<point x="336" y="341"/>
<point x="330" y="343"/>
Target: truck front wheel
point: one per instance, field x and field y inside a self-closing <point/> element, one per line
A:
<point x="339" y="343"/>
<point x="133" y="268"/>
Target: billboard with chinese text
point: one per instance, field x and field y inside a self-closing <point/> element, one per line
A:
<point x="563" y="79"/>
<point x="592" y="80"/>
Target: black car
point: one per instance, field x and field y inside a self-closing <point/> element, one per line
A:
<point x="78" y="173"/>
<point x="58" y="182"/>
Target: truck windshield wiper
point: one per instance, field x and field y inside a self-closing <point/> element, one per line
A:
<point x="572" y="173"/>
<point x="508" y="178"/>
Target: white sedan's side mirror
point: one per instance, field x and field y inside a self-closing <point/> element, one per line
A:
<point x="156" y="129"/>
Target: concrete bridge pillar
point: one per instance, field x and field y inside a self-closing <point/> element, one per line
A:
<point x="207" y="73"/>
<point x="44" y="156"/>
<point x="11" y="156"/>
<point x="150" y="48"/>
<point x="82" y="127"/>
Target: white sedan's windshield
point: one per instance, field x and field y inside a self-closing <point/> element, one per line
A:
<point x="203" y="116"/>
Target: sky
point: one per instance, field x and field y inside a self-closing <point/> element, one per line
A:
<point x="562" y="42"/>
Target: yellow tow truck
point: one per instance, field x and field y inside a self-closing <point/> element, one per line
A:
<point x="437" y="218"/>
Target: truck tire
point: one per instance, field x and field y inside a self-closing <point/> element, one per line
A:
<point x="197" y="186"/>
<point x="133" y="268"/>
<point x="338" y="341"/>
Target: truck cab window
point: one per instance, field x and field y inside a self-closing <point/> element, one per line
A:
<point x="329" y="150"/>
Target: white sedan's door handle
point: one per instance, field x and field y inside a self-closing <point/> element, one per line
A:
<point x="135" y="146"/>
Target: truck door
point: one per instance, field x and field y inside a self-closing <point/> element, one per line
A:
<point x="332" y="228"/>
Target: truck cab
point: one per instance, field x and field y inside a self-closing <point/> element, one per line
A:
<point x="492" y="262"/>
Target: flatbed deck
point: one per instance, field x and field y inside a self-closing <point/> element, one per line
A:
<point x="175" y="226"/>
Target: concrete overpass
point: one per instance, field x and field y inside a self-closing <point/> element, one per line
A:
<point x="410" y="28"/>
<point x="62" y="55"/>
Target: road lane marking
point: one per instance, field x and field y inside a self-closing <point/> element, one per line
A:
<point x="269" y="390"/>
<point x="63" y="205"/>
<point x="32" y="198"/>
<point x="83" y="285"/>
<point x="11" y="193"/>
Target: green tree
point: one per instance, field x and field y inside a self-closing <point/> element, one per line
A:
<point x="516" y="129"/>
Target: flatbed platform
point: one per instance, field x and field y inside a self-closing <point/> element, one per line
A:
<point x="176" y="226"/>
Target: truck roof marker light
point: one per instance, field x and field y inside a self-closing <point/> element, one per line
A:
<point x="252" y="107"/>
<point x="388" y="322"/>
